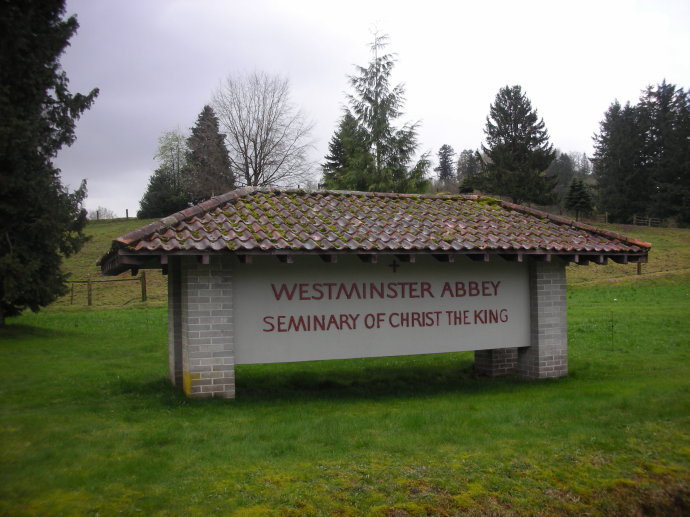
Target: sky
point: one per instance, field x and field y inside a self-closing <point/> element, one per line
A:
<point x="158" y="62"/>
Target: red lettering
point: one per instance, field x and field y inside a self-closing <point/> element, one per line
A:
<point x="303" y="292"/>
<point x="446" y="290"/>
<point x="268" y="321"/>
<point x="473" y="288"/>
<point x="460" y="289"/>
<point x="426" y="290"/>
<point x="392" y="292"/>
<point x="495" y="286"/>
<point x="283" y="291"/>
<point x="318" y="292"/>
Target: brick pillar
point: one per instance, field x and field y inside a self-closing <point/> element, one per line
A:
<point x="208" y="359"/>
<point x="496" y="362"/>
<point x="174" y="322"/>
<point x="547" y="356"/>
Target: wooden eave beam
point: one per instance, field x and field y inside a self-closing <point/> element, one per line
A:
<point x="405" y="257"/>
<point x="512" y="257"/>
<point x="286" y="259"/>
<point x="368" y="258"/>
<point x="329" y="258"/>
<point x="444" y="257"/>
<point x="478" y="257"/>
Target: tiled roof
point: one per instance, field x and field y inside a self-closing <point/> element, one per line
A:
<point x="294" y="221"/>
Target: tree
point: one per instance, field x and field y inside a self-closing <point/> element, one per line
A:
<point x="167" y="189"/>
<point x="376" y="105"/>
<point x="208" y="164"/>
<point x="578" y="199"/>
<point x="562" y="171"/>
<point x="42" y="221"/>
<point x="100" y="213"/>
<point x="664" y="115"/>
<point x="348" y="159"/>
<point x="268" y="139"/>
<point x="518" y="150"/>
<point x="642" y="156"/>
<point x="468" y="170"/>
<point x="624" y="187"/>
<point x="446" y="165"/>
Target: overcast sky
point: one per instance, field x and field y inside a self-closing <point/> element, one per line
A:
<point x="157" y="62"/>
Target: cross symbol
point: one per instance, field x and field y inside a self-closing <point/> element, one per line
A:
<point x="394" y="266"/>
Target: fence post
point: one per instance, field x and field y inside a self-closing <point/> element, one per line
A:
<point x="142" y="279"/>
<point x="71" y="298"/>
<point x="639" y="268"/>
<point x="89" y="293"/>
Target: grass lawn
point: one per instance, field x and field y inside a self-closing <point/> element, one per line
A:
<point x="90" y="425"/>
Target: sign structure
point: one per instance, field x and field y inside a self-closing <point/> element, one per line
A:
<point x="311" y="310"/>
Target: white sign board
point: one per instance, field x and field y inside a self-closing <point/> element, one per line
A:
<point x="311" y="310"/>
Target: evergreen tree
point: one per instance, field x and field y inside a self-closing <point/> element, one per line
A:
<point x="624" y="187"/>
<point x="578" y="199"/>
<point x="517" y="151"/>
<point x="42" y="221"/>
<point x="664" y="113"/>
<point x="446" y="165"/>
<point x="468" y="170"/>
<point x="376" y="105"/>
<point x="208" y="164"/>
<point x="349" y="164"/>
<point x="642" y="156"/>
<point x="163" y="196"/>
<point x="167" y="191"/>
<point x="562" y="171"/>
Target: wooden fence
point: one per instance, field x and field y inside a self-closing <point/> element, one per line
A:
<point x="90" y="284"/>
<point x="643" y="220"/>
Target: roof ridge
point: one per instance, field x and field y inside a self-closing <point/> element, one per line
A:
<point x="571" y="222"/>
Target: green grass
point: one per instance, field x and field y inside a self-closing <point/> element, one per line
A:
<point x="90" y="425"/>
<point x="82" y="266"/>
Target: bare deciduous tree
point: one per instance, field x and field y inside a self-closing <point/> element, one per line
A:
<point x="101" y="213"/>
<point x="268" y="139"/>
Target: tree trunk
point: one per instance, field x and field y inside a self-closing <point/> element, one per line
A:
<point x="2" y="317"/>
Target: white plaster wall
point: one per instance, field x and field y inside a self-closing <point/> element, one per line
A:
<point x="259" y="339"/>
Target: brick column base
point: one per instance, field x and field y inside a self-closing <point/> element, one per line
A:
<point x="547" y="355"/>
<point x="496" y="362"/>
<point x="208" y="356"/>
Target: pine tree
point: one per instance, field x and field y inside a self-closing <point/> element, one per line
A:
<point x="664" y="114"/>
<point x="624" y="187"/>
<point x="642" y="156"/>
<point x="468" y="170"/>
<point x="578" y="199"/>
<point x="163" y="196"/>
<point x="562" y="171"/>
<point x="349" y="164"/>
<point x="208" y="165"/>
<point x="517" y="151"/>
<point x="376" y="105"/>
<point x="167" y="191"/>
<point x="446" y="165"/>
<point x="42" y="221"/>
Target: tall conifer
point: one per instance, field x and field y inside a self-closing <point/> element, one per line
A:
<point x="517" y="149"/>
<point x="42" y="221"/>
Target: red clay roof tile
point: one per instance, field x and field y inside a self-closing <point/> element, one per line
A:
<point x="270" y="220"/>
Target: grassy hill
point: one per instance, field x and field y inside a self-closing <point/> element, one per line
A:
<point x="670" y="254"/>
<point x="90" y="424"/>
